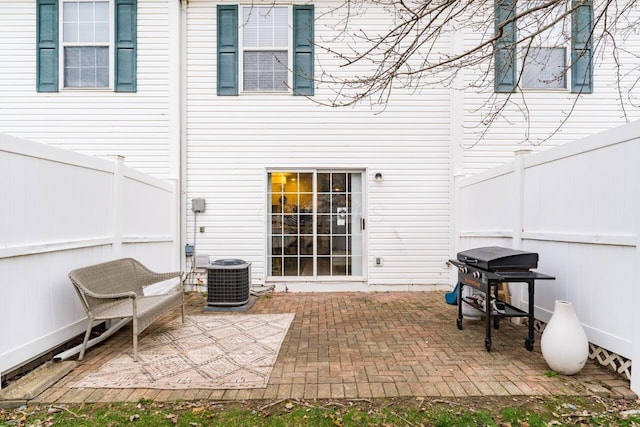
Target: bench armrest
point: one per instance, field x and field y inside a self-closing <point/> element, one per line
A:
<point x="120" y="295"/>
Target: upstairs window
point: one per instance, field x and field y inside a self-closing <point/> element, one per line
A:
<point x="86" y="44"/>
<point x="543" y="53"/>
<point x="559" y="56"/>
<point x="265" y="49"/>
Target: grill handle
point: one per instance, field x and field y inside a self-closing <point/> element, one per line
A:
<point x="470" y="261"/>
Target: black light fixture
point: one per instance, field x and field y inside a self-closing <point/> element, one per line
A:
<point x="378" y="177"/>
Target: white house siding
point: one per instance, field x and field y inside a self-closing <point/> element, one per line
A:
<point x="134" y="125"/>
<point x="232" y="141"/>
<point x="593" y="113"/>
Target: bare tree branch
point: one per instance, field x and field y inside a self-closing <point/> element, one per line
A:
<point x="414" y="53"/>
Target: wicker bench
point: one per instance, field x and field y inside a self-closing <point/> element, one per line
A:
<point x="114" y="290"/>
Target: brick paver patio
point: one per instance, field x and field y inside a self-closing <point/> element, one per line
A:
<point x="370" y="345"/>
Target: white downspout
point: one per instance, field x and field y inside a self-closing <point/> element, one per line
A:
<point x="183" y="130"/>
<point x="176" y="122"/>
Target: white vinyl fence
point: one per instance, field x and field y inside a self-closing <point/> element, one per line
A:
<point x="578" y="206"/>
<point x="61" y="210"/>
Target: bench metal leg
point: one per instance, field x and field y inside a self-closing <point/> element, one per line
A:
<point x="86" y="339"/>
<point x="135" y="338"/>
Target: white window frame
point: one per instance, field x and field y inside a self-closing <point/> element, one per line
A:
<point x="547" y="43"/>
<point x="110" y="44"/>
<point x="288" y="48"/>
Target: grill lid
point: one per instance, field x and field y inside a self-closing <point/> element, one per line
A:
<point x="496" y="258"/>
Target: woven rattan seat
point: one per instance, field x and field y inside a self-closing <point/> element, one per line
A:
<point x="114" y="290"/>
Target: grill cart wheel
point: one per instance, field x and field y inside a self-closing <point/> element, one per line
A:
<point x="487" y="344"/>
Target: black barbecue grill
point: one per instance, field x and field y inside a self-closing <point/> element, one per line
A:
<point x="484" y="269"/>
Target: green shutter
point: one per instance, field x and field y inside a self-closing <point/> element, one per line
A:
<point x="47" y="46"/>
<point x="581" y="47"/>
<point x="505" y="46"/>
<point x="227" y="49"/>
<point x="125" y="64"/>
<point x="303" y="82"/>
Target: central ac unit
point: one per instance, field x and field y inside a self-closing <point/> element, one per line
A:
<point x="228" y="282"/>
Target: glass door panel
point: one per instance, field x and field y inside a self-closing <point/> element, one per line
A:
<point x="315" y="226"/>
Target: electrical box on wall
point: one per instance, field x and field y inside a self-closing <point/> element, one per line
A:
<point x="189" y="250"/>
<point x="198" y="205"/>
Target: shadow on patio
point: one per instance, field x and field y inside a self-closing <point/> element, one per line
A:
<point x="368" y="345"/>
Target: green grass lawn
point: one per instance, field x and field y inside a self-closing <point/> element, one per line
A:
<point x="482" y="411"/>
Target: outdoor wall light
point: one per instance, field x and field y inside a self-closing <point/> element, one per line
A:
<point x="378" y="177"/>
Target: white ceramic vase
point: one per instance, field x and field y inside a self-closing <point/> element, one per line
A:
<point x="564" y="343"/>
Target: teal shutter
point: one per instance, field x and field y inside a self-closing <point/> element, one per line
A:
<point x="125" y="64"/>
<point x="47" y="46"/>
<point x="227" y="49"/>
<point x="505" y="47"/>
<point x="303" y="82"/>
<point x="581" y="47"/>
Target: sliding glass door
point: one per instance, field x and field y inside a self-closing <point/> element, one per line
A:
<point x="315" y="223"/>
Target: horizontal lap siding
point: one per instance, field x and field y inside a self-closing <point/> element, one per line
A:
<point x="594" y="112"/>
<point x="232" y="140"/>
<point x="134" y="125"/>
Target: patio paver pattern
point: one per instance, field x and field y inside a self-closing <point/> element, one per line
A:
<point x="369" y="345"/>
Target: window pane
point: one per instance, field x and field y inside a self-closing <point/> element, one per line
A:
<point x="324" y="182"/>
<point x="306" y="266"/>
<point x="306" y="245"/>
<point x="265" y="26"/>
<point x="86" y="12"/>
<point x="306" y="224"/>
<point x="291" y="266"/>
<point x="276" y="245"/>
<point x="102" y="11"/>
<point x="72" y="56"/>
<point x="87" y="57"/>
<point x="102" y="32"/>
<point x="86" y="67"/>
<point x="324" y="245"/>
<point x="102" y="57"/>
<point x="72" y="77"/>
<point x="250" y="27"/>
<point x="87" y="77"/>
<point x="290" y="245"/>
<point x="70" y="12"/>
<point x="281" y="27"/>
<point x="324" y="266"/>
<point x="276" y="266"/>
<point x="102" y="77"/>
<point x="544" y="68"/>
<point x="70" y="33"/>
<point x="265" y="71"/>
<point x="86" y="32"/>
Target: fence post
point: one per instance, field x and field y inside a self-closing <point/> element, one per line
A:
<point x="175" y="224"/>
<point x="116" y="206"/>
<point x="518" y="220"/>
